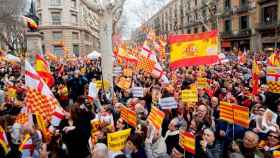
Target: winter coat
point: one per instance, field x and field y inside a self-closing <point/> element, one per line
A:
<point x="157" y="149"/>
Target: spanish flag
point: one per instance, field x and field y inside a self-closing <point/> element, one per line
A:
<point x="4" y="141"/>
<point x="42" y="68"/>
<point x="255" y="77"/>
<point x="276" y="154"/>
<point x="226" y="112"/>
<point x="156" y="117"/>
<point x="187" y="141"/>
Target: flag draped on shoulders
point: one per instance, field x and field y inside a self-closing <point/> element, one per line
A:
<point x="42" y="68"/>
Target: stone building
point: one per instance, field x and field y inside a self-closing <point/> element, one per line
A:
<point x="67" y="26"/>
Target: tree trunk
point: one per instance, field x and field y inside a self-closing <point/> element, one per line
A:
<point x="106" y="46"/>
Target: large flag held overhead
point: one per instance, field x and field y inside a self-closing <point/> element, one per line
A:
<point x="42" y="68"/>
<point x="274" y="59"/>
<point x="193" y="49"/>
<point x="39" y="98"/>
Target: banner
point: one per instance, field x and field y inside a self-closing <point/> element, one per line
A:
<point x="117" y="71"/>
<point x="117" y="140"/>
<point x="193" y="49"/>
<point x="168" y="103"/>
<point x="99" y="84"/>
<point x="272" y="77"/>
<point x="124" y="83"/>
<point x="138" y="92"/>
<point x="156" y="117"/>
<point x="187" y="141"/>
<point x="202" y="82"/>
<point x="189" y="96"/>
<point x="129" y="116"/>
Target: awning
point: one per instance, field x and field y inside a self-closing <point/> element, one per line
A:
<point x="226" y="44"/>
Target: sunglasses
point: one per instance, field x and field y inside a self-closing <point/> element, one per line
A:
<point x="272" y="136"/>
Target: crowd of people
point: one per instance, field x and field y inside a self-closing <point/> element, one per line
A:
<point x="76" y="137"/>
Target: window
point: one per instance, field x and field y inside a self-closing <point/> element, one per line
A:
<point x="76" y="49"/>
<point x="55" y="2"/>
<point x="195" y="30"/>
<point x="57" y="35"/>
<point x="204" y="13"/>
<point x="269" y="14"/>
<point x="244" y="22"/>
<point x="189" y="31"/>
<point x="58" y="50"/>
<point x="195" y="2"/>
<point x="227" y="4"/>
<point x="227" y="25"/>
<point x="56" y="18"/>
<point x="195" y="16"/>
<point x="75" y="35"/>
<point x="73" y="3"/>
<point x="74" y="19"/>
<point x="203" y="29"/>
<point x="243" y="2"/>
<point x="86" y="37"/>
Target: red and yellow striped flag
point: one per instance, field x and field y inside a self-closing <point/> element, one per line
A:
<point x="276" y="154"/>
<point x="187" y="141"/>
<point x="129" y="116"/>
<point x="226" y="112"/>
<point x="4" y="141"/>
<point x="156" y="117"/>
<point x="42" y="68"/>
<point x="241" y="116"/>
<point x="255" y="77"/>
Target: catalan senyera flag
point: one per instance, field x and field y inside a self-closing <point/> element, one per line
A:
<point x="255" y="77"/>
<point x="276" y="154"/>
<point x="39" y="98"/>
<point x="26" y="147"/>
<point x="193" y="49"/>
<point x="272" y="77"/>
<point x="187" y="141"/>
<point x="226" y="112"/>
<point x="4" y="141"/>
<point x="42" y="68"/>
<point x="156" y="117"/>
<point x="129" y="116"/>
<point x="241" y="116"/>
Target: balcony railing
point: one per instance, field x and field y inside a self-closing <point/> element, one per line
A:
<point x="241" y="33"/>
<point x="263" y="1"/>
<point x="268" y="25"/>
<point x="243" y="8"/>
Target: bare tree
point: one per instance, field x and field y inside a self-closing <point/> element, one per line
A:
<point x="11" y="28"/>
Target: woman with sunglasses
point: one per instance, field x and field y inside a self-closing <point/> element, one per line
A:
<point x="272" y="144"/>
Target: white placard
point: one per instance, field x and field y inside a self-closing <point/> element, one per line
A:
<point x="117" y="71"/>
<point x="138" y="92"/>
<point x="168" y="103"/>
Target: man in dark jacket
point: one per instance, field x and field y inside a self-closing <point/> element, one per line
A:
<point x="76" y="85"/>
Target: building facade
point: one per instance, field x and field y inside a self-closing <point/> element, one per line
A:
<point x="67" y="26"/>
<point x="242" y="24"/>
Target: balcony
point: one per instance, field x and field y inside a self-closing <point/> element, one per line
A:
<point x="241" y="34"/>
<point x="268" y="25"/>
<point x="227" y="12"/>
<point x="264" y="1"/>
<point x="243" y="8"/>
